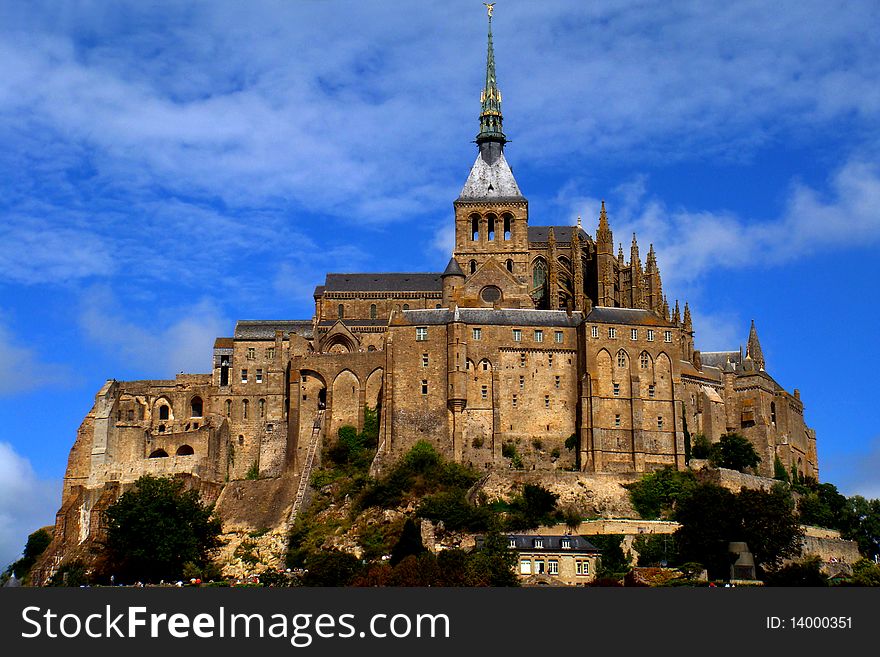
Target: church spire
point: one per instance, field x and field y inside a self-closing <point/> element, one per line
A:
<point x="490" y="99"/>
<point x="753" y="348"/>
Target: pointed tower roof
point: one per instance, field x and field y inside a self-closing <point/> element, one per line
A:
<point x="452" y="269"/>
<point x="676" y="314"/>
<point x="620" y="254"/>
<point x="490" y="177"/>
<point x="651" y="261"/>
<point x="753" y="348"/>
<point x="688" y="323"/>
<point x="604" y="237"/>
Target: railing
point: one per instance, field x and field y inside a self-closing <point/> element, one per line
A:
<point x="306" y="473"/>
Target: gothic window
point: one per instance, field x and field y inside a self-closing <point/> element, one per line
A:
<point x="621" y="358"/>
<point x="228" y="408"/>
<point x="510" y="265"/>
<point x="373" y="312"/>
<point x="244" y="409"/>
<point x="473" y="266"/>
<point x="340" y="311"/>
<point x="508" y="219"/>
<point x="491" y="221"/>
<point x="644" y="360"/>
<point x="262" y="406"/>
<point x="196" y="407"/>
<point x="539" y="278"/>
<point x="475" y="228"/>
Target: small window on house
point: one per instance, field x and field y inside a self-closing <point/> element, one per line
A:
<point x="556" y="382"/>
<point x="196" y="407"/>
<point x="651" y="390"/>
<point x="130" y="414"/>
<point x="185" y="450"/>
<point x="582" y="568"/>
<point x="538" y="543"/>
<point x="477" y="333"/>
<point x="546" y="401"/>
<point x="525" y="567"/>
<point x="251" y="353"/>
<point x="259" y="376"/>
<point x="163" y="412"/>
<point x="553" y="567"/>
<point x="241" y="440"/>
<point x="159" y="454"/>
<point x="559" y="337"/>
<point x="659" y="421"/>
<point x="244" y="409"/>
<point x="617" y="420"/>
<point x="617" y="390"/>
<point x="421" y="333"/>
<point x="424" y="386"/>
<point x="634" y="334"/>
<point x="667" y="336"/>
<point x="511" y="542"/>
<point x="270" y="353"/>
<point x="612" y="332"/>
<point x="228" y="408"/>
<point x="522" y="382"/>
<point x="539" y="335"/>
<point x="484" y="392"/>
<point x="406" y="306"/>
<point x="475" y="227"/>
<point x="565" y="543"/>
<point x="644" y="360"/>
<point x="262" y="406"/>
<point x="424" y="360"/>
<point x="594" y="331"/>
<point x="517" y="335"/>
<point x="773" y="413"/>
<point x="650" y="335"/>
<point x="373" y="311"/>
<point x="244" y="376"/>
<point x="340" y="311"/>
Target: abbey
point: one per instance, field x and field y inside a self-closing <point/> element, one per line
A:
<point x="537" y="347"/>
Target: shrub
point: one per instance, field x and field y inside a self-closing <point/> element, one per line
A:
<point x="538" y="444"/>
<point x="807" y="572"/>
<point x="656" y="493"/>
<point x="253" y="472"/>
<point x="571" y="442"/>
<point x="508" y="450"/>
<point x="702" y="447"/>
<point x="735" y="452"/>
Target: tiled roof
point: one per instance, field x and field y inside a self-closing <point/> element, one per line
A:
<point x="247" y="329"/>
<point x="561" y="233"/>
<point x="491" y="180"/>
<point x="490" y="317"/>
<point x="608" y="315"/>
<point x="384" y="282"/>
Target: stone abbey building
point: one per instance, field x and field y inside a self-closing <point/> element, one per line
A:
<point x="531" y="335"/>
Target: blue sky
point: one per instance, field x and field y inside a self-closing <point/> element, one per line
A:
<point x="168" y="168"/>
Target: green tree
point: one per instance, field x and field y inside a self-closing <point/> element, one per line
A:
<point x="492" y="564"/>
<point x="331" y="568"/>
<point x="734" y="452"/>
<point x="864" y="518"/>
<point x="535" y="507"/>
<point x="702" y="447"/>
<point x="613" y="562"/>
<point x="807" y="572"/>
<point x="155" y="528"/>
<point x="656" y="549"/>
<point x="656" y="493"/>
<point x="768" y="524"/>
<point x="779" y="471"/>
<point x="409" y="543"/>
<point x="866" y="573"/>
<point x="707" y="527"/>
<point x="37" y="543"/>
<point x="823" y="506"/>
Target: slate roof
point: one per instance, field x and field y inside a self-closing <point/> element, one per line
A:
<point x="608" y="315"/>
<point x="490" y="317"/>
<point x="561" y="233"/>
<point x="247" y="329"/>
<point x="491" y="179"/>
<point x="452" y="269"/>
<point x="384" y="282"/>
<point x="526" y="543"/>
<point x="719" y="358"/>
<point x="224" y="343"/>
<point x="354" y="322"/>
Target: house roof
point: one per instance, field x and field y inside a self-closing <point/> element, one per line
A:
<point x="608" y="315"/>
<point x="247" y="329"/>
<point x="383" y="282"/>
<point x="551" y="543"/>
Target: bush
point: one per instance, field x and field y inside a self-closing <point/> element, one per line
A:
<point x="613" y="563"/>
<point x="866" y="573"/>
<point x="508" y="450"/>
<point x="656" y="493"/>
<point x="37" y="543"/>
<point x="803" y="573"/>
<point x="331" y="568"/>
<point x="538" y="444"/>
<point x="702" y="447"/>
<point x="253" y="472"/>
<point x="656" y="549"/>
<point x="734" y="452"/>
<point x="535" y="507"/>
<point x="455" y="512"/>
<point x="555" y="453"/>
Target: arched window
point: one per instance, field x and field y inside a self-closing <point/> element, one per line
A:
<point x="475" y="227"/>
<point x="196" y="407"/>
<point x="244" y="409"/>
<point x="406" y="306"/>
<point x="228" y="408"/>
<point x="644" y="360"/>
<point x="159" y="454"/>
<point x="262" y="406"/>
<point x="621" y="358"/>
<point x="539" y="278"/>
<point x="163" y="412"/>
<point x="509" y="265"/>
<point x="185" y="450"/>
<point x="773" y="413"/>
<point x="473" y="266"/>
<point x="373" y="311"/>
<point x="508" y="220"/>
<point x="491" y="221"/>
<point x="340" y="311"/>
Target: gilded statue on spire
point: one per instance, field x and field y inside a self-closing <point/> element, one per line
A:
<point x="490" y="6"/>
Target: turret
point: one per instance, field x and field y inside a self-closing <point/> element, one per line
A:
<point x="453" y="280"/>
<point x="753" y="348"/>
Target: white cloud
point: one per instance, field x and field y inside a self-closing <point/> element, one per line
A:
<point x="26" y="502"/>
<point x="181" y="342"/>
<point x="21" y="369"/>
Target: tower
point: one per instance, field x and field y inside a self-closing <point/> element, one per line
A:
<point x="491" y="214"/>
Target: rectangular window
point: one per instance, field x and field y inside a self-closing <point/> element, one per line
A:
<point x="244" y="376"/>
<point x="559" y="337"/>
<point x="634" y="334"/>
<point x="270" y="353"/>
<point x="582" y="567"/>
<point x="553" y="566"/>
<point x="270" y="428"/>
<point x="424" y="360"/>
<point x="522" y="382"/>
<point x="421" y="333"/>
<point x="651" y="391"/>
<point x="525" y="567"/>
<point x="594" y="331"/>
<point x="478" y="333"/>
<point x="612" y="332"/>
<point x="650" y="335"/>
<point x="511" y="542"/>
<point x="556" y="382"/>
<point x="616" y="390"/>
<point x="539" y="567"/>
<point x="484" y="392"/>
<point x="251" y="353"/>
<point x="539" y="336"/>
<point x="424" y="386"/>
<point x="565" y="543"/>
<point x="259" y="376"/>
<point x="517" y="335"/>
<point x="659" y="421"/>
<point x="667" y="336"/>
<point x="538" y="543"/>
<point x="617" y="420"/>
